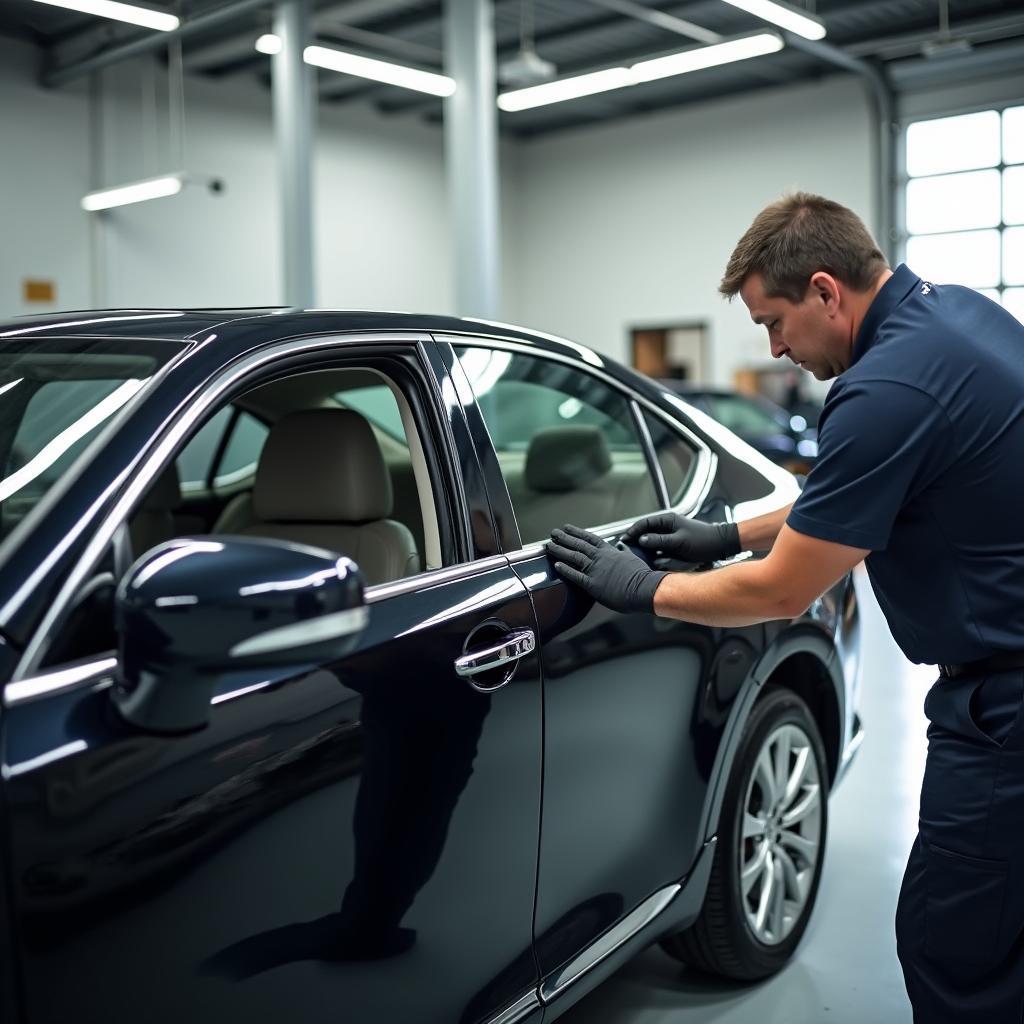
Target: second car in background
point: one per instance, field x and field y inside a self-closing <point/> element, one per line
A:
<point x="787" y="439"/>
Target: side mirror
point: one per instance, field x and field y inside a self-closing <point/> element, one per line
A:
<point x="193" y="609"/>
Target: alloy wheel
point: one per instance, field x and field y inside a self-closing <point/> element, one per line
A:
<point x="781" y="834"/>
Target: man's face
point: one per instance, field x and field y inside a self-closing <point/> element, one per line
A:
<point x="813" y="333"/>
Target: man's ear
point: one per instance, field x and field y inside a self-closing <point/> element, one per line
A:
<point x="825" y="289"/>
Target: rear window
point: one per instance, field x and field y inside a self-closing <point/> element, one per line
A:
<point x="54" y="399"/>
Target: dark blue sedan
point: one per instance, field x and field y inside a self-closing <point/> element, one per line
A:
<point x="299" y="724"/>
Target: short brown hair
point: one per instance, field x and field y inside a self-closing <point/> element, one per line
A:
<point x="797" y="236"/>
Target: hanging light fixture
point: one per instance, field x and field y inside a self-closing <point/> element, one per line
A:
<point x="143" y="16"/>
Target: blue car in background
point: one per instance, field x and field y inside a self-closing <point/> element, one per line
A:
<point x="790" y="440"/>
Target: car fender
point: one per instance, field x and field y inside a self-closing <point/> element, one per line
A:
<point x="801" y="638"/>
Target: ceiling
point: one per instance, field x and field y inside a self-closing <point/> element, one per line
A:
<point x="575" y="35"/>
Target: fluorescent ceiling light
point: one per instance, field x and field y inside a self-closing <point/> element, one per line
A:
<point x="706" y="57"/>
<point x="379" y="71"/>
<point x="565" y="89"/>
<point x="268" y="44"/>
<point x="143" y="16"/>
<point x="137" y="192"/>
<point x="644" y="71"/>
<point x="784" y="16"/>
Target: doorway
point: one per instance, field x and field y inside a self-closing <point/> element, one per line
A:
<point x="679" y="352"/>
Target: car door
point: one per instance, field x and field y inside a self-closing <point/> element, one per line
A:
<point x="355" y="839"/>
<point x="634" y="705"/>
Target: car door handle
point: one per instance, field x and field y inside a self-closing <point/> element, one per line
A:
<point x="512" y="647"/>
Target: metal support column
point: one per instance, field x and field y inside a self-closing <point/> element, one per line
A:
<point x="471" y="147"/>
<point x="293" y="131"/>
<point x="884" y="104"/>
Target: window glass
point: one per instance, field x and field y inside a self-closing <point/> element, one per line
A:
<point x="1013" y="256"/>
<point x="378" y="405"/>
<point x="566" y="442"/>
<point x="953" y="143"/>
<point x="952" y="202"/>
<point x="243" y="450"/>
<point x="965" y="257"/>
<point x="47" y="441"/>
<point x="240" y="456"/>
<point x="1013" y="135"/>
<point x="1013" y="300"/>
<point x="53" y="400"/>
<point x="1013" y="194"/>
<point x="677" y="459"/>
<point x="194" y="460"/>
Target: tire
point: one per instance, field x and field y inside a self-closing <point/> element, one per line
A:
<point x="726" y="939"/>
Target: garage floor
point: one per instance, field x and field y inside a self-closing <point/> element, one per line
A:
<point x="845" y="970"/>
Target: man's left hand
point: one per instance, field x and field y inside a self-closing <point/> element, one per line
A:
<point x="611" y="574"/>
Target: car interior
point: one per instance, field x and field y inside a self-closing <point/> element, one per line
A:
<point x="315" y="471"/>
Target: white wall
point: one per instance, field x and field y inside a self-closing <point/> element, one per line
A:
<point x="631" y="224"/>
<point x="381" y="212"/>
<point x="44" y="161"/>
<point x="604" y="228"/>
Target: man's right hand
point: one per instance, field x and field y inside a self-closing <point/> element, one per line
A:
<point x="687" y="540"/>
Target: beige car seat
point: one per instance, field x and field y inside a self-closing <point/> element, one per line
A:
<point x="321" y="480"/>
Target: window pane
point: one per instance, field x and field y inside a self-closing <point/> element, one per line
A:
<point x="676" y="458"/>
<point x="968" y="257"/>
<point x="953" y="143"/>
<point x="377" y="403"/>
<point x="989" y="293"/>
<point x="1013" y="135"/>
<point x="1013" y="300"/>
<point x="566" y="442"/>
<point x="1013" y="256"/>
<point x="243" y="450"/>
<point x="1013" y="194"/>
<point x="953" y="202"/>
<point x="194" y="460"/>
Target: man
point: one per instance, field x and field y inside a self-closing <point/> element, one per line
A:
<point x="920" y="471"/>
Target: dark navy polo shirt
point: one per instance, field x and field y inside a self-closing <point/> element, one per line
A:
<point x="921" y="460"/>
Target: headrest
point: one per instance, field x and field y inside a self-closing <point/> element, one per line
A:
<point x="321" y="465"/>
<point x="164" y="495"/>
<point x="566" y="458"/>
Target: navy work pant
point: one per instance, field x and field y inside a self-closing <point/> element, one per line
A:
<point x="960" y="919"/>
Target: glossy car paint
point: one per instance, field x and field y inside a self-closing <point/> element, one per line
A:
<point x="231" y="871"/>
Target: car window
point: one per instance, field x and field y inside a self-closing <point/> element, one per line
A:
<point x="240" y="456"/>
<point x="243" y="450"/>
<point x="52" y="404"/>
<point x="677" y="458"/>
<point x="742" y="416"/>
<point x="378" y="405"/>
<point x="566" y="442"/>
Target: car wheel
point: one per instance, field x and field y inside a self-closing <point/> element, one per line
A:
<point x="771" y="845"/>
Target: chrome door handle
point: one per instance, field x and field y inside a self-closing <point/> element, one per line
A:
<point x="512" y="647"/>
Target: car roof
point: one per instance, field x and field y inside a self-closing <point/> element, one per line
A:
<point x="238" y="330"/>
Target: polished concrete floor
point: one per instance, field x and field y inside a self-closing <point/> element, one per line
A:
<point x="845" y="970"/>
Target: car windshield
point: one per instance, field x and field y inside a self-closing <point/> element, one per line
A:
<point x="54" y="398"/>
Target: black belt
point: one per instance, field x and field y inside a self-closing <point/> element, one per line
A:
<point x="1000" y="662"/>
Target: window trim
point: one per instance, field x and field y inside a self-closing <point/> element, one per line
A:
<point x="707" y="461"/>
<point x="158" y="453"/>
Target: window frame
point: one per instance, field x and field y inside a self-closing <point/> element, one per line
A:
<point x="295" y="355"/>
<point x="903" y="179"/>
<point x="706" y="460"/>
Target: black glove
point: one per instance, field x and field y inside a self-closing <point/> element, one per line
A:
<point x="610" y="574"/>
<point x="689" y="540"/>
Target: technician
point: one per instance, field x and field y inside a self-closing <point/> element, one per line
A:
<point x="920" y="472"/>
